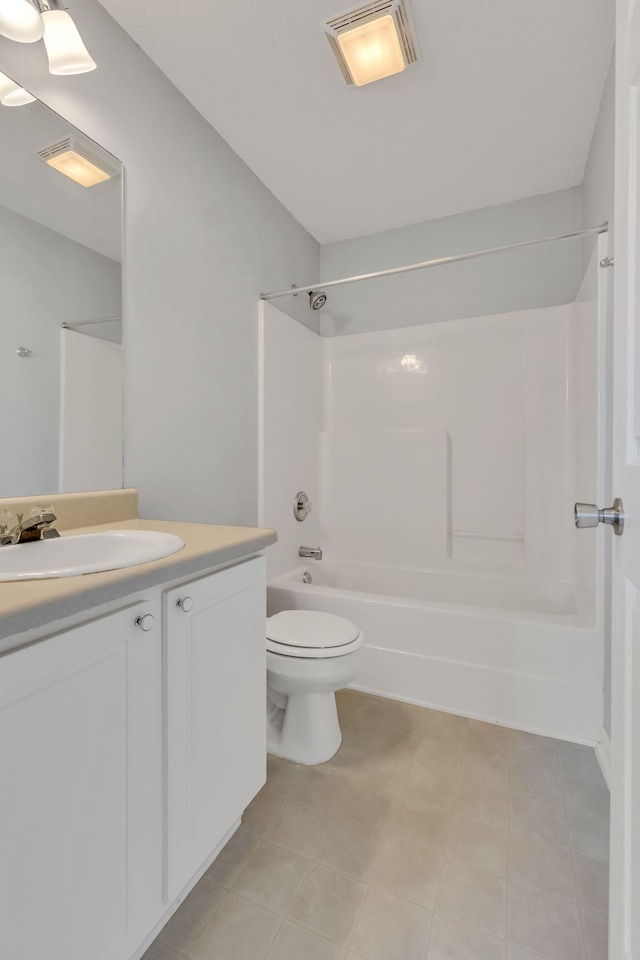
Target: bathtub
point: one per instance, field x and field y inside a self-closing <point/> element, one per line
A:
<point x="502" y="649"/>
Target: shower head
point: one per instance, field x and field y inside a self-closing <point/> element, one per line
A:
<point x="317" y="299"/>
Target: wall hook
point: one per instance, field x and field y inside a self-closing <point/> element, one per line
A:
<point x="606" y="262"/>
<point x="24" y="352"/>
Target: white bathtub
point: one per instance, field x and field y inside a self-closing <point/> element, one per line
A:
<point x="502" y="649"/>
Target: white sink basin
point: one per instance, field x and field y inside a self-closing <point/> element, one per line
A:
<point x="86" y="553"/>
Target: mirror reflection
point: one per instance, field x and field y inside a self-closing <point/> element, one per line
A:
<point x="61" y="283"/>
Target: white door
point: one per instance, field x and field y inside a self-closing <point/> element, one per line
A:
<point x="80" y="804"/>
<point x="215" y="669"/>
<point x="624" y="924"/>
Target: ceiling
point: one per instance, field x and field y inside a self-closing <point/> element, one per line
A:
<point x="91" y="216"/>
<point x="501" y="106"/>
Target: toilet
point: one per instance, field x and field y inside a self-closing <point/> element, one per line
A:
<point x="310" y="655"/>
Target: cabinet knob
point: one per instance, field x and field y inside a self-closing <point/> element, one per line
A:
<point x="145" y="623"/>
<point x="185" y="603"/>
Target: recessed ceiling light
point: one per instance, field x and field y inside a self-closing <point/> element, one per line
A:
<point x="77" y="162"/>
<point x="372" y="42"/>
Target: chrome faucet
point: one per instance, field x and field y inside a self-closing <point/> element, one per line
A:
<point x="37" y="526"/>
<point x="314" y="553"/>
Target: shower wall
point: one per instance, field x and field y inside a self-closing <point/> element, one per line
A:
<point x="457" y="443"/>
<point x="460" y="445"/>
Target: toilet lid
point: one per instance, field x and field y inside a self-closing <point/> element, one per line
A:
<point x="310" y="629"/>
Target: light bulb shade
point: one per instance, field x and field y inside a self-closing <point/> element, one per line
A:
<point x="372" y="51"/>
<point x="12" y="94"/>
<point x="19" y="20"/>
<point x="65" y="49"/>
<point x="373" y="42"/>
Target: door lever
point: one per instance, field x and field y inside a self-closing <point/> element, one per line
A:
<point x="588" y="515"/>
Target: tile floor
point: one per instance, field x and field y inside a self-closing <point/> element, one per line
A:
<point x="427" y="837"/>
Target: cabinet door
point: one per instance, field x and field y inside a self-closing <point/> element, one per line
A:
<point x="81" y="769"/>
<point x="215" y="676"/>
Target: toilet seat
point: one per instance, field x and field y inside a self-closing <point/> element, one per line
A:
<point x="311" y="634"/>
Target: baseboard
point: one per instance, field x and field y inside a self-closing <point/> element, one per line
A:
<point x="603" y="753"/>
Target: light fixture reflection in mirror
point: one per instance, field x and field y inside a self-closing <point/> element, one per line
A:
<point x="61" y="425"/>
<point x="12" y="94"/>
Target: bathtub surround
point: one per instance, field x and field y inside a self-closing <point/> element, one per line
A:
<point x="291" y="376"/>
<point x="448" y="457"/>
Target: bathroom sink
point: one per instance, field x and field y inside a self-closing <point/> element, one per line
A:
<point x="85" y="553"/>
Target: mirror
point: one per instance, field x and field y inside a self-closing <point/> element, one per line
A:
<point x="61" y="302"/>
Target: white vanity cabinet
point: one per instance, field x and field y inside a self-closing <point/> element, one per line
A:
<point x="130" y="746"/>
<point x="215" y="665"/>
<point x="80" y="789"/>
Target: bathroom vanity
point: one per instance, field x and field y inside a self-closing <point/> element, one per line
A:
<point x="132" y="737"/>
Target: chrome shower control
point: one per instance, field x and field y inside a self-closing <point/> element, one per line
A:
<point x="588" y="515"/>
<point x="185" y="603"/>
<point x="301" y="506"/>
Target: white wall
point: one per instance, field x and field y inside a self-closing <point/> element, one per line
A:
<point x="203" y="237"/>
<point x="45" y="280"/>
<point x="518" y="280"/>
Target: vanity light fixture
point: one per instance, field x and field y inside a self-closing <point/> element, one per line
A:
<point x="12" y="94"/>
<point x="77" y="162"/>
<point x="372" y="42"/>
<point x="20" y="21"/>
<point x="65" y="48"/>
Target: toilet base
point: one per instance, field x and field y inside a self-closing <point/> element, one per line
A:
<point x="307" y="730"/>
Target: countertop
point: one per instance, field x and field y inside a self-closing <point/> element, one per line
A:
<point x="30" y="605"/>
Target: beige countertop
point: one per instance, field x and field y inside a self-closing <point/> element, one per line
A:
<point x="30" y="605"/>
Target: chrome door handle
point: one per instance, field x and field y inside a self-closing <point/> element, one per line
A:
<point x="588" y="515"/>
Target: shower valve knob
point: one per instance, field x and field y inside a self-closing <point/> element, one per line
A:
<point x="302" y="506"/>
<point x="588" y="515"/>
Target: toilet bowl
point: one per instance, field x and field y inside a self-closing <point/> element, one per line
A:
<point x="310" y="655"/>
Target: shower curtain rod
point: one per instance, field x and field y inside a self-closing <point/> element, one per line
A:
<point x="86" y="323"/>
<point x="293" y="291"/>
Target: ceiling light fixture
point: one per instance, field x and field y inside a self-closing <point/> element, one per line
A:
<point x="12" y="94"/>
<point x="77" y="162"/>
<point x="372" y="42"/>
<point x="65" y="48"/>
<point x="20" y="21"/>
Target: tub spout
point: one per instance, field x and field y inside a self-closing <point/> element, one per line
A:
<point x="314" y="553"/>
